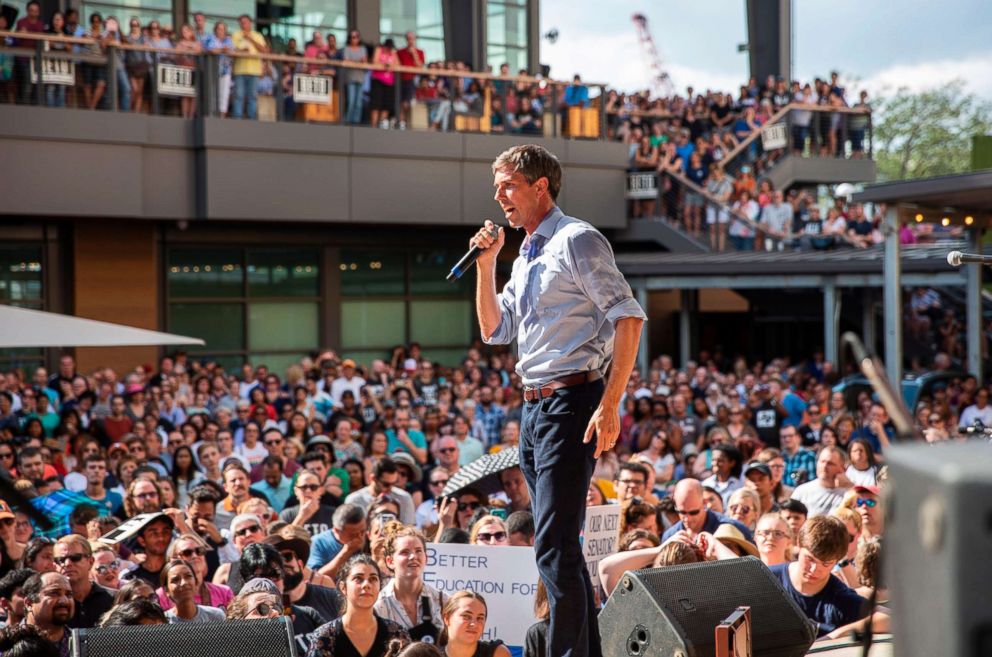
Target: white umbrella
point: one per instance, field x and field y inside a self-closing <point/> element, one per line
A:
<point x="21" y="327"/>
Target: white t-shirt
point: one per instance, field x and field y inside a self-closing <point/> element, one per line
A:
<point x="819" y="500"/>
<point x="861" y="477"/>
<point x="972" y="413"/>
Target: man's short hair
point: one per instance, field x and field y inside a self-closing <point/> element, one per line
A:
<point x="384" y="466"/>
<point x="347" y="514"/>
<point x="825" y="537"/>
<point x="201" y="495"/>
<point x="94" y="458"/>
<point x="204" y="446"/>
<point x="31" y="589"/>
<point x="792" y="506"/>
<point x="533" y="162"/>
<point x="77" y="540"/>
<point x="311" y="456"/>
<point x="26" y="453"/>
<point x="81" y="515"/>
<point x="234" y="465"/>
<point x="14" y="580"/>
<point x="272" y="461"/>
<point x="521" y="522"/>
<point x="634" y="466"/>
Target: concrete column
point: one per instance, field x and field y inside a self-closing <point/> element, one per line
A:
<point x="831" y="312"/>
<point x="643" y="348"/>
<point x="687" y="307"/>
<point x="892" y="293"/>
<point x="973" y="307"/>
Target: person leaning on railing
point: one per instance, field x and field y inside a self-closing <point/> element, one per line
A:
<point x="247" y="70"/>
<point x="220" y="44"/>
<point x="55" y="93"/>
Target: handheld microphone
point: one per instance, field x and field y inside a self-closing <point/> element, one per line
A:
<point x="468" y="259"/>
<point x="956" y="259"/>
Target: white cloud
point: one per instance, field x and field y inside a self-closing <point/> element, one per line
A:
<point x="617" y="60"/>
<point x="976" y="71"/>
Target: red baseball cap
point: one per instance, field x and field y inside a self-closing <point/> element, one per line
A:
<point x="5" y="510"/>
<point x="874" y="490"/>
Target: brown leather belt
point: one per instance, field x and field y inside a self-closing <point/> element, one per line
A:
<point x="534" y="393"/>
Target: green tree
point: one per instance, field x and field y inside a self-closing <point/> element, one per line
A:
<point x="929" y="133"/>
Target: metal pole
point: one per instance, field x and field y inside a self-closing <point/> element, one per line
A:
<point x="39" y="67"/>
<point x="643" y="348"/>
<point x="280" y="96"/>
<point x="554" y="110"/>
<point x="892" y="293"/>
<point x="831" y="306"/>
<point x="868" y="328"/>
<point x="112" y="91"/>
<point x="156" y="102"/>
<point x="973" y="307"/>
<point x="602" y="113"/>
<point x="339" y="76"/>
<point x="397" y="99"/>
<point x="685" y="327"/>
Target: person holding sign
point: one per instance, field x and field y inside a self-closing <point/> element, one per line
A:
<point x="572" y="313"/>
<point x="464" y="623"/>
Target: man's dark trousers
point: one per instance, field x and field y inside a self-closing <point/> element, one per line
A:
<point x="558" y="468"/>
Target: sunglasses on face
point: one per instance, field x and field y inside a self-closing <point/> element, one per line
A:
<point x="107" y="567"/>
<point x="488" y="538"/>
<point x="446" y="450"/>
<point x="740" y="508"/>
<point x="189" y="553"/>
<point x="684" y="512"/>
<point x="310" y="488"/>
<point x="465" y="506"/>
<point x="264" y="609"/>
<point x="271" y="443"/>
<point x="862" y="501"/>
<point x="74" y="558"/>
<point x="439" y="482"/>
<point x="6" y="455"/>
<point x="250" y="529"/>
<point x="270" y="574"/>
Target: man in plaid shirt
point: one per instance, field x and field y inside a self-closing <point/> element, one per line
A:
<point x="798" y="459"/>
<point x="490" y="415"/>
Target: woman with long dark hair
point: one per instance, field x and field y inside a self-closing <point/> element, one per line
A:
<point x="184" y="474"/>
<point x="863" y="470"/>
<point x="359" y="632"/>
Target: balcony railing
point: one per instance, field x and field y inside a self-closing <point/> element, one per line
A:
<point x="808" y="131"/>
<point x="83" y="73"/>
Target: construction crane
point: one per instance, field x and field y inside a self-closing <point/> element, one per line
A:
<point x="661" y="84"/>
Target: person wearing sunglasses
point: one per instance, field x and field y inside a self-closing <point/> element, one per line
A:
<point x="489" y="531"/>
<point x="262" y="560"/>
<point x="74" y="559"/>
<point x="694" y="517"/>
<point x="297" y="585"/>
<point x="106" y="567"/>
<point x="246" y="529"/>
<point x="385" y="477"/>
<point x="311" y="513"/>
<point x="193" y="550"/>
<point x="259" y="598"/>
<point x="867" y="502"/>
<point x="437" y="479"/>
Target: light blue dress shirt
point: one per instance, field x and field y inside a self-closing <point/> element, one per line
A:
<point x="562" y="301"/>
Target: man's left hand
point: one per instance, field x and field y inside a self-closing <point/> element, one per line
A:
<point x="605" y="424"/>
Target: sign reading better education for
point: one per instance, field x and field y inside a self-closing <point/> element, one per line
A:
<point x="54" y="71"/>
<point x="175" y="80"/>
<point x="600" y="537"/>
<point x="774" y="136"/>
<point x="505" y="576"/>
<point x="642" y="185"/>
<point x="314" y="89"/>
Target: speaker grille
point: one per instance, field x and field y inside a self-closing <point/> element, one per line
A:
<point x="258" y="638"/>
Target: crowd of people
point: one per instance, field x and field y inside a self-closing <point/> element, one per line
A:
<point x="315" y="494"/>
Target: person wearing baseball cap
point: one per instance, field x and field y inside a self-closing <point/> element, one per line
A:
<point x="295" y="550"/>
<point x="348" y="380"/>
<point x="758" y="477"/>
<point x="867" y="501"/>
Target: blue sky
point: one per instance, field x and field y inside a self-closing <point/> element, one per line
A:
<point x="878" y="45"/>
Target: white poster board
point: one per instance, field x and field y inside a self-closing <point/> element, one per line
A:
<point x="175" y="80"/>
<point x="642" y="185"/>
<point x="54" y="70"/>
<point x="599" y="538"/>
<point x="774" y="136"/>
<point x="312" y="89"/>
<point x="505" y="576"/>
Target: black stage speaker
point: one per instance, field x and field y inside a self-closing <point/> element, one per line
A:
<point x="234" y="638"/>
<point x="673" y="611"/>
<point x="936" y="547"/>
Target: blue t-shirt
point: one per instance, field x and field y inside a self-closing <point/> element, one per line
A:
<point x="713" y="521"/>
<point x="111" y="502"/>
<point x="835" y="606"/>
<point x="795" y="407"/>
<point x="394" y="444"/>
<point x="324" y="548"/>
<point x="685" y="152"/>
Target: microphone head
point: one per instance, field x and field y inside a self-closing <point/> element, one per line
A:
<point x="954" y="258"/>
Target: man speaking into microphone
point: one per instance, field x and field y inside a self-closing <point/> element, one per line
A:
<point x="572" y="314"/>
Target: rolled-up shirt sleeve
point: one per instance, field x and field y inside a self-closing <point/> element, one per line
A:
<point x="506" y="332"/>
<point x="596" y="273"/>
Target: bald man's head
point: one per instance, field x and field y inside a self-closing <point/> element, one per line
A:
<point x="688" y="496"/>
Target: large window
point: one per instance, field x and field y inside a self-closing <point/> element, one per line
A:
<point x="21" y="284"/>
<point x="506" y="34"/>
<point x="144" y="10"/>
<point x="281" y="20"/>
<point x="392" y="298"/>
<point x="247" y="304"/>
<point x="422" y="17"/>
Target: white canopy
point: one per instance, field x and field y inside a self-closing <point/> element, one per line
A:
<point x="21" y="327"/>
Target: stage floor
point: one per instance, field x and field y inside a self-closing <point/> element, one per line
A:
<point x="881" y="647"/>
